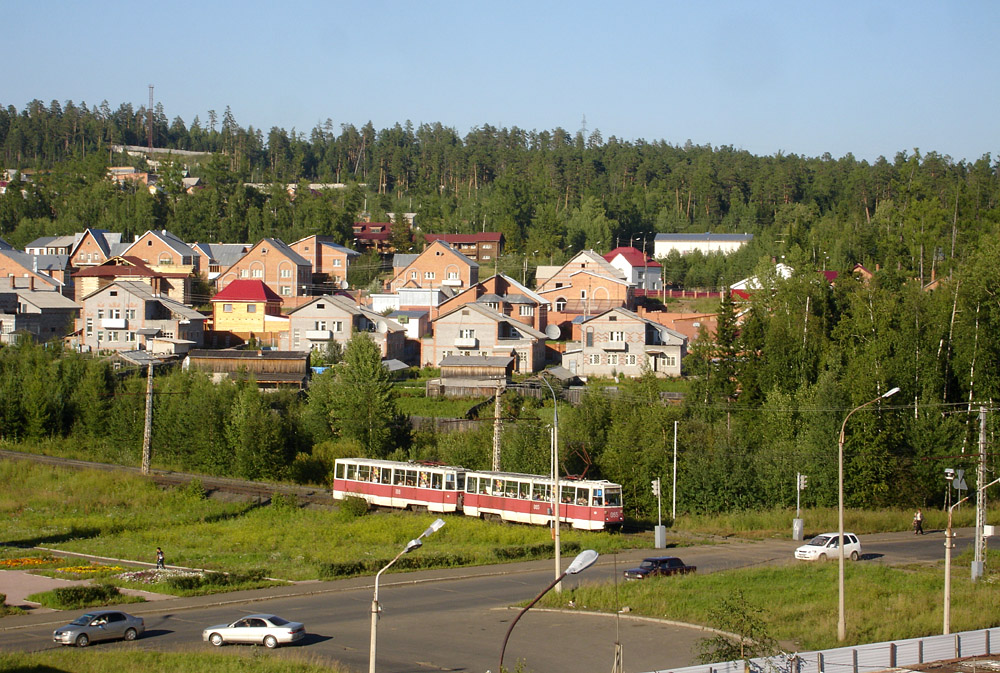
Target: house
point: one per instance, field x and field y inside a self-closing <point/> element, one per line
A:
<point x="95" y="246"/>
<point x="748" y="286"/>
<point x="485" y="246"/>
<point x="415" y="323"/>
<point x="706" y="243"/>
<point x="691" y="325"/>
<point x="619" y="341"/>
<point x="439" y="265"/>
<point x="214" y="258"/>
<point x="270" y="369"/>
<point x="275" y="264"/>
<point x="641" y="271"/>
<point x="128" y="315"/>
<point x="43" y="272"/>
<point x="44" y="314"/>
<point x="373" y="236"/>
<point x="245" y="309"/>
<point x="584" y="286"/>
<point x="470" y="376"/>
<point x="51" y="245"/>
<point x="507" y="296"/>
<point x="315" y="324"/>
<point x="88" y="280"/>
<point x="410" y="298"/>
<point x="475" y="330"/>
<point x="330" y="261"/>
<point x="164" y="252"/>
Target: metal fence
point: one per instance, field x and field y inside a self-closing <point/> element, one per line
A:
<point x="865" y="658"/>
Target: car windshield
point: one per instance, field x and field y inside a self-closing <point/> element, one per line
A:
<point x="83" y="620"/>
<point x="647" y="564"/>
<point x="278" y="621"/>
<point x="819" y="541"/>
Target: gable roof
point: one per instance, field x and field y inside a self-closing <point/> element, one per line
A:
<point x="119" y="266"/>
<point x="247" y="290"/>
<point x="497" y="317"/>
<point x="108" y="242"/>
<point x="43" y="299"/>
<point x="226" y="254"/>
<point x="632" y="315"/>
<point x="144" y="293"/>
<point x="168" y="239"/>
<point x="631" y="255"/>
<point x="39" y="265"/>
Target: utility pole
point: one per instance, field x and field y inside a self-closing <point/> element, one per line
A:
<point x="980" y="549"/>
<point x="147" y="434"/>
<point x="497" y="426"/>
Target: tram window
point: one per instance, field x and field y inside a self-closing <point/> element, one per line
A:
<point x="541" y="492"/>
<point x="484" y="486"/>
<point x="387" y="475"/>
<point x="399" y="477"/>
<point x="374" y="475"/>
<point x="498" y="487"/>
<point x="341" y="470"/>
<point x="524" y="490"/>
<point x="425" y="479"/>
<point x="567" y="495"/>
<point x="436" y="481"/>
<point x="598" y="500"/>
<point x="352" y="471"/>
<point x="461" y="482"/>
<point x="581" y="496"/>
<point x="449" y="482"/>
<point x="364" y="472"/>
<point x="471" y="484"/>
<point x="511" y="490"/>
<point x="613" y="497"/>
<point x="411" y="477"/>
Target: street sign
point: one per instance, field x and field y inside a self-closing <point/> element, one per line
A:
<point x="959" y="482"/>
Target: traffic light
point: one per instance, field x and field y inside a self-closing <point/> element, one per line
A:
<point x="803" y="479"/>
<point x="656" y="486"/>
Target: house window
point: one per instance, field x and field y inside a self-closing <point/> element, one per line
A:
<point x="466" y="334"/>
<point x="286" y="290"/>
<point x="168" y="335"/>
<point x="113" y="293"/>
<point x="612" y="318"/>
<point x="100" y="336"/>
<point x="130" y="336"/>
<point x="100" y="314"/>
<point x="612" y="358"/>
<point x="671" y="361"/>
<point x="286" y="273"/>
<point x="428" y="275"/>
<point x="595" y="358"/>
<point x="258" y="273"/>
<point x="486" y="257"/>
<point x="487" y="246"/>
<point x="338" y="326"/>
<point x="616" y="336"/>
<point x="90" y="326"/>
<point x="244" y="273"/>
<point x="336" y="262"/>
<point x="112" y="335"/>
<point x="583" y="294"/>
<point x="320" y="325"/>
<point x="115" y="313"/>
<point x="227" y="308"/>
<point x="560" y="304"/>
<point x="590" y="337"/>
<point x="526" y="310"/>
<point x="413" y="275"/>
<point x="453" y="275"/>
<point x="295" y="338"/>
<point x="320" y="306"/>
<point x="251" y="308"/>
<point x="630" y="360"/>
<point x="559" y="285"/>
<point x="130" y="313"/>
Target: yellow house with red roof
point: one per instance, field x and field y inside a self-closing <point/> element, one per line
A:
<point x="246" y="308"/>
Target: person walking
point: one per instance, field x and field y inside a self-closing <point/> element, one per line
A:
<point x="918" y="523"/>
<point x="159" y="559"/>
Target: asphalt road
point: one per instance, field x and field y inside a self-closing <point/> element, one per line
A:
<point x="456" y="619"/>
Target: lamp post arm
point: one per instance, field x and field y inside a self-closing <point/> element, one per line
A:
<point x="519" y="614"/>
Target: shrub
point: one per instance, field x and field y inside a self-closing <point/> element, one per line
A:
<point x="353" y="506"/>
<point x="194" y="489"/>
<point x="310" y="469"/>
<point x="86" y="594"/>
<point x="284" y="501"/>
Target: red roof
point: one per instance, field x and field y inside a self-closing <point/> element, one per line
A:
<point x="830" y="275"/>
<point x="138" y="269"/>
<point x="247" y="290"/>
<point x="632" y="256"/>
<point x="486" y="236"/>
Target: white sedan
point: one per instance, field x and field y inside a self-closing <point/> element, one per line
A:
<point x="267" y="630"/>
<point x="824" y="546"/>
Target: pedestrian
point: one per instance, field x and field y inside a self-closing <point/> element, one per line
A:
<point x="918" y="523"/>
<point x="159" y="559"/>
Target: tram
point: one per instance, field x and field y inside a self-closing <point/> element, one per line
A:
<point x="586" y="504"/>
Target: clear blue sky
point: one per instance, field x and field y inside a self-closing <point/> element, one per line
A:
<point x="866" y="77"/>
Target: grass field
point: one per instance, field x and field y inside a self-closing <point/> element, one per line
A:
<point x="67" y="660"/>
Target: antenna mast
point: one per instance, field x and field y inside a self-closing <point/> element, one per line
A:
<point x="149" y="120"/>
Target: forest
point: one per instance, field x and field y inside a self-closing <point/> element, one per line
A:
<point x="769" y="393"/>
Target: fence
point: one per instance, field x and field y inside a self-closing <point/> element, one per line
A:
<point x="865" y="658"/>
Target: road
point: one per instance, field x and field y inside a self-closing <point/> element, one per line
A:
<point x="455" y="619"/>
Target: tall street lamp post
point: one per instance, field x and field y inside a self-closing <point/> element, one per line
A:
<point x="584" y="560"/>
<point x="841" y="620"/>
<point x="410" y="546"/>
<point x="555" y="480"/>
<point x="948" y="546"/>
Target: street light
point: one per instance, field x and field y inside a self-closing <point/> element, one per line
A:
<point x="948" y="545"/>
<point x="555" y="477"/>
<point x="584" y="560"/>
<point x="410" y="546"/>
<point x="841" y="620"/>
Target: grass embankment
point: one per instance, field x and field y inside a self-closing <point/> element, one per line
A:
<point x="67" y="660"/>
<point x="125" y="517"/>
<point x="799" y="600"/>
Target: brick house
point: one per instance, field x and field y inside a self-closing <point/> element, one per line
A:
<point x="585" y="286"/>
<point x="92" y="278"/>
<point x="507" y="296"/>
<point x="618" y="341"/>
<point x="315" y="324"/>
<point x="247" y="308"/>
<point x="44" y="272"/>
<point x="128" y="315"/>
<point x="373" y="236"/>
<point x="641" y="271"/>
<point x="475" y="330"/>
<point x="276" y="265"/>
<point x="439" y="265"/>
<point x="214" y="258"/>
<point x="50" y="245"/>
<point x="485" y="246"/>
<point x="330" y="261"/>
<point x="95" y="246"/>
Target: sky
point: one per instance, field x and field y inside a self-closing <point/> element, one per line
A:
<point x="869" y="78"/>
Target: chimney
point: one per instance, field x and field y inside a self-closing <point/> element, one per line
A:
<point x="31" y="282"/>
<point x="155" y="283"/>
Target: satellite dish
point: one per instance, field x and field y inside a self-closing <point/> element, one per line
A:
<point x="344" y="284"/>
<point x="553" y="332"/>
<point x="382" y="327"/>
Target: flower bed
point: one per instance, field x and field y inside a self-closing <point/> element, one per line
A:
<point x="26" y="562"/>
<point x="153" y="576"/>
<point x="91" y="569"/>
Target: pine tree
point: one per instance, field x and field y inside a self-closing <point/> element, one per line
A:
<point x="363" y="401"/>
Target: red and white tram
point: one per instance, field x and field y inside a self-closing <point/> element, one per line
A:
<point x="524" y="498"/>
<point x="388" y="483"/>
<point x="527" y="498"/>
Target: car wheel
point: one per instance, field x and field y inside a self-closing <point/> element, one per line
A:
<point x="854" y="556"/>
<point x="82" y="640"/>
<point x="270" y="642"/>
<point x="215" y="639"/>
<point x="822" y="557"/>
<point x="131" y="634"/>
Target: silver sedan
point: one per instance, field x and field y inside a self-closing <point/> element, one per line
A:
<point x="267" y="630"/>
<point x="99" y="625"/>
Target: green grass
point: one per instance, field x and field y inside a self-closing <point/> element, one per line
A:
<point x="70" y="660"/>
<point x="800" y="600"/>
<point x="83" y="596"/>
<point x="414" y="403"/>
<point x="125" y="517"/>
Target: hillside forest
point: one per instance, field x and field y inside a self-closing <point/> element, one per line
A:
<point x="767" y="396"/>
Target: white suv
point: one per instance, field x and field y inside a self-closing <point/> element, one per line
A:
<point x="823" y="547"/>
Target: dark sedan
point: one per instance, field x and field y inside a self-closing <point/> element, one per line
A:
<point x="659" y="565"/>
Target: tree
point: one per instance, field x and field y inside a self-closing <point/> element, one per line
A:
<point x="255" y="436"/>
<point x="363" y="405"/>
<point x="737" y="616"/>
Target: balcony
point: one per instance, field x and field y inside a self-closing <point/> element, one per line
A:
<point x="452" y="282"/>
<point x="466" y="342"/>
<point x="613" y="346"/>
<point x="319" y="334"/>
<point x="113" y="323"/>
